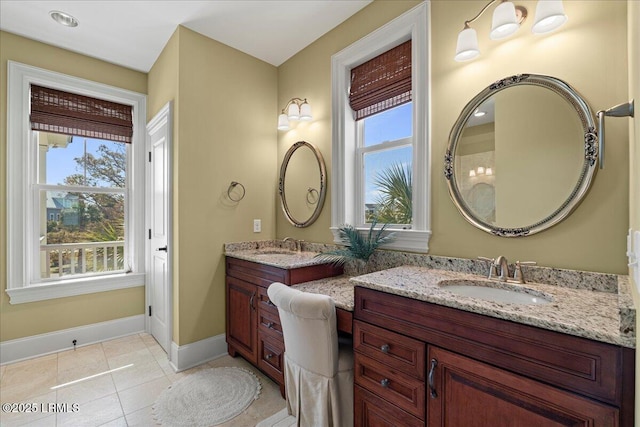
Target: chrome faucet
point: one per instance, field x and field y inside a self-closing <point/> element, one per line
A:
<point x="503" y="268"/>
<point x="499" y="268"/>
<point x="296" y="243"/>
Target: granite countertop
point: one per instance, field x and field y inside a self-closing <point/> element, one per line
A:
<point x="273" y="253"/>
<point x="602" y="316"/>
<point x="340" y="288"/>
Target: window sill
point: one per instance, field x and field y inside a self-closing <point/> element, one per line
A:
<point x="405" y="240"/>
<point x="73" y="287"/>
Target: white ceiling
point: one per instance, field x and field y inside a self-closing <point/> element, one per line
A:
<point x="132" y="33"/>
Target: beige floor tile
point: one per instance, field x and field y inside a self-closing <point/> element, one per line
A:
<point x="137" y="374"/>
<point x="49" y="421"/>
<point x="29" y="379"/>
<point x="176" y="376"/>
<point x="122" y="346"/>
<point x="88" y="355"/>
<point x="35" y="408"/>
<point x="87" y="391"/>
<point x="94" y="413"/>
<point x="138" y="357"/>
<point x="142" y="418"/>
<point x="82" y="371"/>
<point x="143" y="395"/>
<point x="120" y="422"/>
<point x="158" y="353"/>
<point x="148" y="339"/>
<point x="29" y="369"/>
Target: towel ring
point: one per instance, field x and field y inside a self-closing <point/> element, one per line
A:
<point x="231" y="187"/>
<point x="312" y="196"/>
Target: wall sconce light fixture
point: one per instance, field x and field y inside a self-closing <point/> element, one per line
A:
<point x="296" y="109"/>
<point x="506" y="20"/>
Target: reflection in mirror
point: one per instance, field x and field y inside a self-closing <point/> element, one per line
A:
<point x="517" y="161"/>
<point x="302" y="184"/>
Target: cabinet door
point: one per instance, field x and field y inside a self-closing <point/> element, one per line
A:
<point x="464" y="392"/>
<point x="241" y="318"/>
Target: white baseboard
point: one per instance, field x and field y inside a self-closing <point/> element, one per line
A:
<point x="193" y="354"/>
<point x="52" y="342"/>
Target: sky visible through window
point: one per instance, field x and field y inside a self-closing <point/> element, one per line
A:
<point x="61" y="161"/>
<point x="389" y="125"/>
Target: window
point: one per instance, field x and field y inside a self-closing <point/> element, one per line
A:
<point x="380" y="151"/>
<point x="81" y="176"/>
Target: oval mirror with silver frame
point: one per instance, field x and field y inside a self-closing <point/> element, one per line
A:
<point x="522" y="155"/>
<point x="303" y="184"/>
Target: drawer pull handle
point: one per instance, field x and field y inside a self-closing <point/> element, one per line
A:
<point x="270" y="325"/>
<point x="432" y="387"/>
<point x="253" y="295"/>
<point x="384" y="348"/>
<point x="385" y="382"/>
<point x="268" y="356"/>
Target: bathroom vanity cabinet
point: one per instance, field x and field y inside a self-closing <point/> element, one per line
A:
<point x="422" y="364"/>
<point x="253" y="325"/>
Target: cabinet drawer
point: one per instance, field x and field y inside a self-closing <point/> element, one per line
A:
<point x="264" y="303"/>
<point x="271" y="357"/>
<point x="573" y="363"/>
<point x="372" y="411"/>
<point x="393" y="386"/>
<point x="397" y="351"/>
<point x="269" y="323"/>
<point x="258" y="274"/>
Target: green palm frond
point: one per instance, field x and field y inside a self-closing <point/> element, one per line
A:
<point x="356" y="245"/>
<point x="394" y="202"/>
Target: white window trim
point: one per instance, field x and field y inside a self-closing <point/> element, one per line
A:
<point x="20" y="287"/>
<point x="411" y="25"/>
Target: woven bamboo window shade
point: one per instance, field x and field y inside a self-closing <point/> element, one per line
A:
<point x="67" y="113"/>
<point x="381" y="83"/>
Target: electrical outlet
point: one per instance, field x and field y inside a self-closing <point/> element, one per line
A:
<point x="257" y="226"/>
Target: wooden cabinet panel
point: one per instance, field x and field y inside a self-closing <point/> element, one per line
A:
<point x="253" y="325"/>
<point x="578" y="364"/>
<point x="474" y="394"/>
<point x="241" y="318"/>
<point x="372" y="411"/>
<point x="394" y="350"/>
<point x="393" y="386"/>
<point x="271" y="357"/>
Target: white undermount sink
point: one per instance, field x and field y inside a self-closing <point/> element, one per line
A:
<point x="496" y="292"/>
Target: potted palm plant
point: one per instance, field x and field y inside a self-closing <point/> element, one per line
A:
<point x="358" y="247"/>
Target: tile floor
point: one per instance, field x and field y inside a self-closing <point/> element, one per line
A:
<point x="120" y="398"/>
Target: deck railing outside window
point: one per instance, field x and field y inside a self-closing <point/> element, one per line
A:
<point x="68" y="259"/>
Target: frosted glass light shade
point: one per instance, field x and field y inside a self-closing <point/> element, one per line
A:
<point x="294" y="112"/>
<point x="504" y="22"/>
<point x="305" y="112"/>
<point x="549" y="16"/>
<point x="283" y="122"/>
<point x="467" y="46"/>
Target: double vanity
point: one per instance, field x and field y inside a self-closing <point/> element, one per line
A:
<point x="436" y="344"/>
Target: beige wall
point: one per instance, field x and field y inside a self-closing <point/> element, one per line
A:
<point x="22" y="320"/>
<point x="225" y="132"/>
<point x="589" y="52"/>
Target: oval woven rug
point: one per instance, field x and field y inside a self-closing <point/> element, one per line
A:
<point x="207" y="397"/>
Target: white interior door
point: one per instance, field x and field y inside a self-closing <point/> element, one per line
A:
<point x="159" y="286"/>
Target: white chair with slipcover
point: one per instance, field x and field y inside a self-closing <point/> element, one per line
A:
<point x="318" y="366"/>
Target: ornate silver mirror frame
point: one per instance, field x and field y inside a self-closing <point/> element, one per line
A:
<point x="313" y="195"/>
<point x="587" y="173"/>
